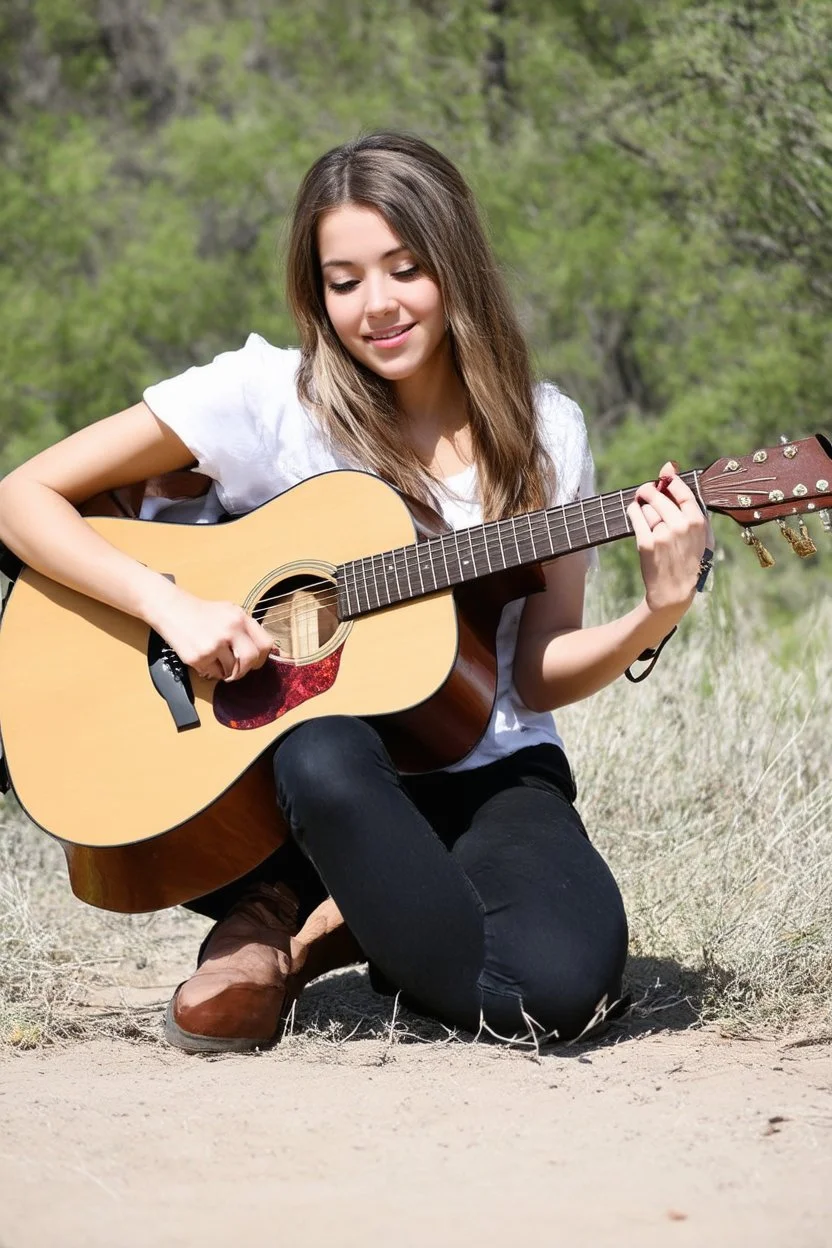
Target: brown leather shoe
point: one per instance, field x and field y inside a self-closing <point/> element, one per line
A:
<point x="253" y="965"/>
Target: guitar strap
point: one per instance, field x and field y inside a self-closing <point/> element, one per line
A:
<point x="5" y="781"/>
<point x="10" y="567"/>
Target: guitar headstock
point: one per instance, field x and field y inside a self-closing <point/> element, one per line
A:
<point x="771" y="484"/>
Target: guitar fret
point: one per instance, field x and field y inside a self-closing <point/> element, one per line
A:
<point x="627" y="524"/>
<point x="473" y="553"/>
<point x="357" y="590"/>
<point x="392" y="567"/>
<point x="386" y="587"/>
<point x="489" y="534"/>
<point x="460" y="560"/>
<point x="372" y="578"/>
<point x="345" y="588"/>
<point x="544" y="535"/>
<point x="425" y="566"/>
<point x="583" y="517"/>
<point x="485" y="546"/>
<point x="449" y="550"/>
<point x="514" y="535"/>
<point x="437" y="575"/>
<point x="498" y="532"/>
<point x="531" y="536"/>
<point x="604" y="518"/>
<point x="548" y="517"/>
<point x="418" y="567"/>
<point x="403" y="550"/>
<point x="363" y="572"/>
<point x="445" y="560"/>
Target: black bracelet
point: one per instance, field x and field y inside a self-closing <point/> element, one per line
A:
<point x="652" y="656"/>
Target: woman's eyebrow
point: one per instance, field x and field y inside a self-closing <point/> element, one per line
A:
<point x="394" y="251"/>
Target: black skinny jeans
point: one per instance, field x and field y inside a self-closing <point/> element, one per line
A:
<point x="476" y="893"/>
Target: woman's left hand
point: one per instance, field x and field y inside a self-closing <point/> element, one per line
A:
<point x="671" y="533"/>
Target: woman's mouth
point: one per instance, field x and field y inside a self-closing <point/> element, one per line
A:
<point x="386" y="338"/>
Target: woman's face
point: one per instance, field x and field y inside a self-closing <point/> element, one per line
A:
<point x="386" y="312"/>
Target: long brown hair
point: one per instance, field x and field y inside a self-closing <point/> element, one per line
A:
<point x="428" y="205"/>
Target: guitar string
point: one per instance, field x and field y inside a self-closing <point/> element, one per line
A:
<point x="591" y="511"/>
<point x="265" y="605"/>
<point x="477" y="538"/>
<point x="478" y="541"/>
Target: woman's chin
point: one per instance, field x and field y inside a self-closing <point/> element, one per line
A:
<point x="394" y="370"/>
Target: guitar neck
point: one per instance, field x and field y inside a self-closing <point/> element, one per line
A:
<point x="461" y="555"/>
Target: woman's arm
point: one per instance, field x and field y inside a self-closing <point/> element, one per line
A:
<point x="38" y="517"/>
<point x="39" y="522"/>
<point x="557" y="661"/>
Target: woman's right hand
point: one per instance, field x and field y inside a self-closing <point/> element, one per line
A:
<point x="217" y="639"/>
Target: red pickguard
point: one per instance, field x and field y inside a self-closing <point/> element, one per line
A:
<point x="264" y="695"/>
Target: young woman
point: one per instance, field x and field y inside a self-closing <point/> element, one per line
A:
<point x="473" y="890"/>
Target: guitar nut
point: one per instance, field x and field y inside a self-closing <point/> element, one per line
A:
<point x="800" y="491"/>
<point x="790" y="451"/>
<point x="744" y="500"/>
<point x="822" y="485"/>
<point x="776" y="496"/>
<point x="760" y="457"/>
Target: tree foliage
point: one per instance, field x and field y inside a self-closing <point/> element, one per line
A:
<point x="657" y="180"/>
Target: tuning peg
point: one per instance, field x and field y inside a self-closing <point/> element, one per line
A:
<point x="826" y="519"/>
<point x="800" y="542"/>
<point x="765" y="557"/>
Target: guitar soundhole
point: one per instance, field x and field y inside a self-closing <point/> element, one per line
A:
<point x="299" y="610"/>
<point x="300" y="614"/>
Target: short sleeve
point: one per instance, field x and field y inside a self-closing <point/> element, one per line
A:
<point x="565" y="438"/>
<point x="228" y="414"/>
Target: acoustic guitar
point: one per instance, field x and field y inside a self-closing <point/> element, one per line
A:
<point x="158" y="783"/>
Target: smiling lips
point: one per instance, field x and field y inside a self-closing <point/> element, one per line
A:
<point x="390" y="337"/>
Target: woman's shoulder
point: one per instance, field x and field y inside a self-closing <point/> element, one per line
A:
<point x="563" y="431"/>
<point x="557" y="412"/>
<point x="232" y="379"/>
<point x="561" y="424"/>
<point x="256" y="347"/>
<point x="260" y="359"/>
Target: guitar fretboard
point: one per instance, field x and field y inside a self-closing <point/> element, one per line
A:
<point x="461" y="555"/>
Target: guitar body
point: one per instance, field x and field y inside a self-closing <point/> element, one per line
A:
<point x="151" y="814"/>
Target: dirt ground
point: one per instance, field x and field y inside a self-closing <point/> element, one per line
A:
<point x="651" y="1137"/>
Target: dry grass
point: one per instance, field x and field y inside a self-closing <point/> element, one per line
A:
<point x="709" y="790"/>
<point x="707" y="787"/>
<point x="68" y="970"/>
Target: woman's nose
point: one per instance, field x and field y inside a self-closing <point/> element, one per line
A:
<point x="380" y="298"/>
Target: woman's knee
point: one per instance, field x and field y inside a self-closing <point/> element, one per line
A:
<point x="556" y="996"/>
<point x="318" y="765"/>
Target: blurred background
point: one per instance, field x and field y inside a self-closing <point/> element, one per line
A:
<point x="656" y="176"/>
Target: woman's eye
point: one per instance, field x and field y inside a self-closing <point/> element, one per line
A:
<point x="341" y="288"/>
<point x="413" y="271"/>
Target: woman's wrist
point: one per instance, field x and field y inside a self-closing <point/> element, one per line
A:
<point x="654" y="623"/>
<point x="155" y="596"/>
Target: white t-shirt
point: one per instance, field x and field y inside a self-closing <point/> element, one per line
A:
<point x="243" y="420"/>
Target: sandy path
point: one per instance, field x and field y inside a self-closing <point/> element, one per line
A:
<point x="670" y="1138"/>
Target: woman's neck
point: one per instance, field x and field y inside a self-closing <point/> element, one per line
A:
<point x="434" y="409"/>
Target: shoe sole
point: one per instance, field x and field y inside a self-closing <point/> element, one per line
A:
<point x="188" y="1042"/>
